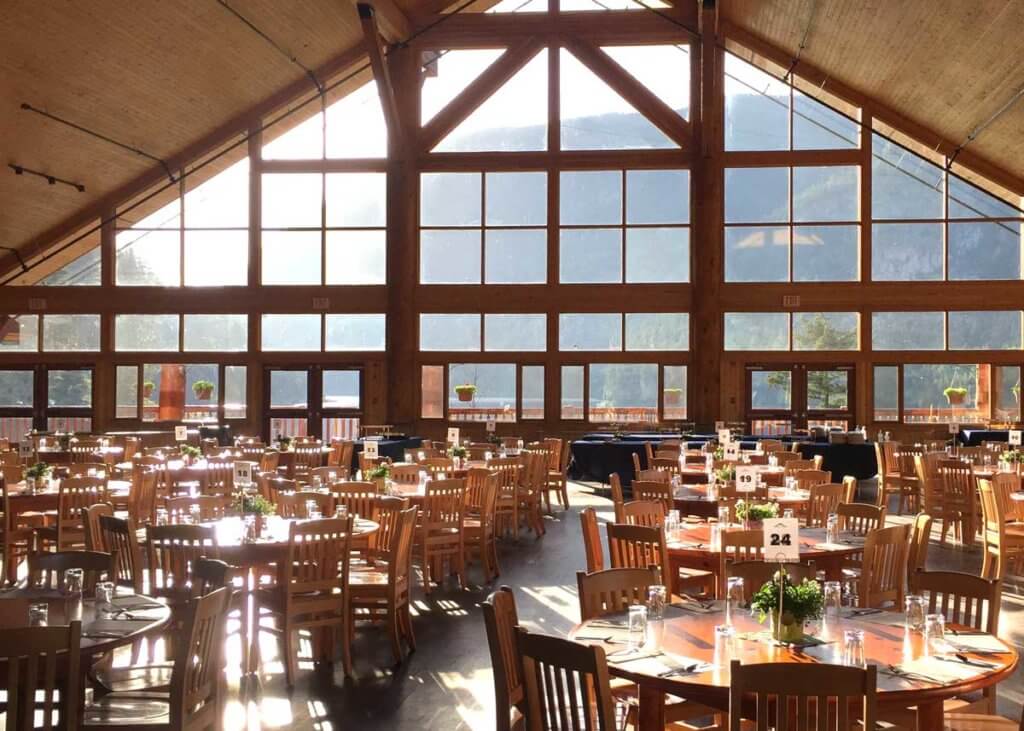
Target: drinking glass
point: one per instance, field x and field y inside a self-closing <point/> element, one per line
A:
<point x="716" y="536"/>
<point x="312" y="510"/>
<point x="723" y="515"/>
<point x="853" y="648"/>
<point x="195" y="513"/>
<point x="656" y="598"/>
<point x="637" y="626"/>
<point x="934" y="632"/>
<point x="39" y="614"/>
<point x="161" y="516"/>
<point x="249" y="524"/>
<point x="915" y="612"/>
<point x="341" y="512"/>
<point x="105" y="599"/>
<point x="73" y="582"/>
<point x="733" y="597"/>
<point x="833" y="599"/>
<point x="832" y="529"/>
<point x="788" y="513"/>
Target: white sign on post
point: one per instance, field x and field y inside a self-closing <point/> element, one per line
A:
<point x="453" y="435"/>
<point x="719" y="425"/>
<point x="747" y="479"/>
<point x="371" y="449"/>
<point x="1015" y="435"/>
<point x="181" y="433"/>
<point x="243" y="474"/>
<point x="732" y="452"/>
<point x="25" y="448"/>
<point x="954" y="427"/>
<point x="782" y="540"/>
<point x="492" y="426"/>
<point x="724" y="436"/>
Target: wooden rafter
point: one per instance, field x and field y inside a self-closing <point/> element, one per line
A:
<point x="393" y="24"/>
<point x="477" y="92"/>
<point x="660" y="114"/>
<point x="375" y="50"/>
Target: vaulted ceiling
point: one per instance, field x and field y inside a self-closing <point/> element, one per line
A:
<point x="162" y="76"/>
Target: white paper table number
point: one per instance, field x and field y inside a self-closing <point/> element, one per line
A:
<point x="243" y="473"/>
<point x="453" y="435"/>
<point x="492" y="426"/>
<point x="782" y="540"/>
<point x="719" y="425"/>
<point x="732" y="452"/>
<point x="181" y="433"/>
<point x="747" y="479"/>
<point x="1015" y="437"/>
<point x="724" y="436"/>
<point x="371" y="449"/>
<point x="25" y="447"/>
<point x="954" y="427"/>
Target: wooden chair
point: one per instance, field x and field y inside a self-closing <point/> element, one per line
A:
<point x="787" y="695"/>
<point x="906" y="483"/>
<point x="325" y="503"/>
<point x="269" y="459"/>
<point x="211" y="507"/>
<point x="793" y="466"/>
<point x="31" y="657"/>
<point x="306" y="457"/>
<point x="1003" y="544"/>
<point x="860" y="518"/>
<point x="884" y="567"/>
<point x="738" y="545"/>
<point x="440" y="535"/>
<point x="532" y="483"/>
<point x="359" y="498"/>
<point x="557" y="465"/>
<point x="46" y="570"/>
<point x="381" y="592"/>
<point x="888" y="471"/>
<point x="957" y="504"/>
<point x="312" y="591"/>
<point x="17" y="534"/>
<point x="405" y="474"/>
<point x="806" y="479"/>
<point x="650" y="513"/>
<point x="615" y="485"/>
<point x="613" y="590"/>
<point x="670" y="466"/>
<point x="342" y="452"/>
<point x="171" y="550"/>
<point x="326" y="475"/>
<point x="76" y="494"/>
<point x="756" y="574"/>
<point x="142" y="495"/>
<point x="1004" y="485"/>
<point x="501" y="620"/>
<point x="586" y="698"/>
<point x="508" y="469"/>
<point x="196" y="682"/>
<point x="654" y="476"/>
<point x="91" y="521"/>
<point x="592" y="540"/>
<point x="479" y="524"/>
<point x="917" y="550"/>
<point x="785" y="457"/>
<point x="118" y="538"/>
<point x="218" y="478"/>
<point x="770" y="445"/>
<point x="824" y="500"/>
<point x="639" y="547"/>
<point x="850" y="489"/>
<point x="656" y="491"/>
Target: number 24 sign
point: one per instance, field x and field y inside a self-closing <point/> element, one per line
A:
<point x="782" y="540"/>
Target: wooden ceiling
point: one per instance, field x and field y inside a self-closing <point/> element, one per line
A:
<point x="161" y="76"/>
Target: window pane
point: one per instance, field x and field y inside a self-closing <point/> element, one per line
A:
<point x="304" y="141"/>
<point x="771" y="390"/>
<point x="16" y="389"/>
<point x="212" y="333"/>
<point x="292" y="200"/>
<point x="590" y="256"/>
<point x="19" y="333"/>
<point x="450" y="257"/>
<point x="356" y="257"/>
<point x="984" y="330"/>
<point x="216" y="258"/>
<point x="1007" y="393"/>
<point x="903" y="185"/>
<point x="756" y="331"/>
<point x="517" y="199"/>
<point x="71" y="332"/>
<point x="572" y="392"/>
<point x="756" y="195"/>
<point x="908" y="331"/>
<point x="355" y="125"/>
<point x="290" y="332"/>
<point x="356" y="332"/>
<point x="828" y="390"/>
<point x="624" y="392"/>
<point x="826" y="253"/>
<point x="126" y="405"/>
<point x="663" y="69"/>
<point x="201" y="391"/>
<point x="516" y="332"/>
<point x="657" y="331"/>
<point x="146" y="332"/>
<point x="516" y="256"/>
<point x="69" y="388"/>
<point x="819" y="127"/>
<point x="291" y="257"/>
<point x="449" y="332"/>
<point x="756" y="254"/>
<point x="220" y="202"/>
<point x="590" y="198"/>
<point x="825" y="331"/>
<point x="448" y="73"/>
<point x="590" y="331"/>
<point x="984" y="250"/>
<point x="82" y="272"/>
<point x="657" y="196"/>
<point x="906" y="251"/>
<point x="532" y="405"/>
<point x="148" y="258"/>
<point x="289" y="389"/>
<point x="482" y="391"/>
<point x="657" y="255"/>
<point x="432" y="392"/>
<point x="969" y="201"/>
<point x="674" y="392"/>
<point x="234" y="392"/>
<point x="887" y="393"/>
<point x="341" y="389"/>
<point x="756" y="108"/>
<point x="826" y="193"/>
<point x="450" y="199"/>
<point x="944" y="393"/>
<point x="356" y="199"/>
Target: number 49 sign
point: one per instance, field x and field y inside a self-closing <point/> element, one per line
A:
<point x="782" y="540"/>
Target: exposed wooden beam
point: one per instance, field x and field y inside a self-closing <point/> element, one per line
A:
<point x="393" y="23"/>
<point x="368" y="18"/>
<point x="660" y="114"/>
<point x="503" y="69"/>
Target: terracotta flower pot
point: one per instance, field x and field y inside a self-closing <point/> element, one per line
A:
<point x="465" y="395"/>
<point x="204" y="394"/>
<point x="147" y="390"/>
<point x="673" y="398"/>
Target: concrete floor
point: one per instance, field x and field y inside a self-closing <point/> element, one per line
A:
<point x="446" y="684"/>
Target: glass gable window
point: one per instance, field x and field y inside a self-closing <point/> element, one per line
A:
<point x="623" y="392"/>
<point x="908" y="330"/>
<point x="482" y="391"/>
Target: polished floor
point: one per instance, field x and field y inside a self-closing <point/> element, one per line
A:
<point x="446" y="684"/>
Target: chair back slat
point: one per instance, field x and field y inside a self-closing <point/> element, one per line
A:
<point x="120" y="540"/>
<point x="592" y="540"/>
<point x="639" y="547"/>
<point x="171" y="551"/>
<point x="884" y="567"/>
<point x="500" y="621"/>
<point x="30" y="656"/>
<point x="613" y="590"/>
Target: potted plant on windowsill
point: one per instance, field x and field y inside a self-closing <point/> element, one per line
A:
<point x="147" y="389"/>
<point x="673" y="396"/>
<point x="203" y="390"/>
<point x="465" y="391"/>
<point x="800" y="603"/>
<point x="955" y="395"/>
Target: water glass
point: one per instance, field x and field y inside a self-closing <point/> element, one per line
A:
<point x="341" y="512"/>
<point x="832" y="529"/>
<point x="316" y="482"/>
<point x="637" y="626"/>
<point x="73" y="579"/>
<point x="934" y="632"/>
<point x="833" y="600"/>
<point x="161" y="516"/>
<point x="105" y="600"/>
<point x="311" y="508"/>
<point x="249" y="525"/>
<point x="712" y="488"/>
<point x="788" y="513"/>
<point x="657" y="595"/>
<point x="195" y="513"/>
<point x="723" y="515"/>
<point x="39" y="614"/>
<point x="915" y="612"/>
<point x="733" y="597"/>
<point x="716" y="536"/>
<point x="853" y="648"/>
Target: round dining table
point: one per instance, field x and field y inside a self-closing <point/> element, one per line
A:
<point x="692" y="499"/>
<point x="696" y="474"/>
<point x="685" y="656"/>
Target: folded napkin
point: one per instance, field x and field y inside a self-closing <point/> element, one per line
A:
<point x="940" y="670"/>
<point x="975" y="643"/>
<point x="136" y="603"/>
<point x="663" y="665"/>
<point x="694" y="607"/>
<point x="106" y="629"/>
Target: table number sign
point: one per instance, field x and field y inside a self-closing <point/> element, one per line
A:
<point x="1015" y="437"/>
<point x="747" y="479"/>
<point x="243" y="474"/>
<point x="954" y="427"/>
<point x="453" y="435"/>
<point x="25" y="448"/>
<point x="782" y="540"/>
<point x="724" y="436"/>
<point x="181" y="433"/>
<point x="732" y="452"/>
<point x="371" y="449"/>
<point x="719" y="425"/>
<point x="492" y="426"/>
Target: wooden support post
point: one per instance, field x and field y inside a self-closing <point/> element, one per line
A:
<point x="375" y="50"/>
<point x="391" y="21"/>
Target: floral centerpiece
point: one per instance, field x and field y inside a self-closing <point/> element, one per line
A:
<point x="37" y="474"/>
<point x="800" y="603"/>
<point x="755" y="512"/>
<point x="190" y="453"/>
<point x="459" y="451"/>
<point x="380" y="475"/>
<point x="726" y="474"/>
<point x="719" y="453"/>
<point x="283" y="442"/>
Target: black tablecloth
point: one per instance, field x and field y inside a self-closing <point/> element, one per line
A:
<point x="844" y="459"/>
<point x="974" y="437"/>
<point x="391" y="448"/>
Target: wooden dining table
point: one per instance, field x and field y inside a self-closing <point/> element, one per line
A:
<point x="692" y="499"/>
<point x="56" y="455"/>
<point x="685" y="657"/>
<point x="24" y="500"/>
<point x="696" y="474"/>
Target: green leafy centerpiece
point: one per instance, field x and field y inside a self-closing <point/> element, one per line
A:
<point x="190" y="453"/>
<point x="37" y="474"/>
<point x="799" y="603"/>
<point x="756" y="512"/>
<point x="726" y="474"/>
<point x="380" y="475"/>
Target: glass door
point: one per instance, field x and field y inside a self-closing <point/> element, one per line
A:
<point x="783" y="399"/>
<point x="313" y="401"/>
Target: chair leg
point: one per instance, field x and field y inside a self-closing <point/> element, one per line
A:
<point x="406" y="618"/>
<point x="393" y="633"/>
<point x="290" y="648"/>
<point x="563" y="490"/>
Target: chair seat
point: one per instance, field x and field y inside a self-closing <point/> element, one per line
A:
<point x="118" y="710"/>
<point x="977" y="722"/>
<point x="143" y="677"/>
<point x="367" y="578"/>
